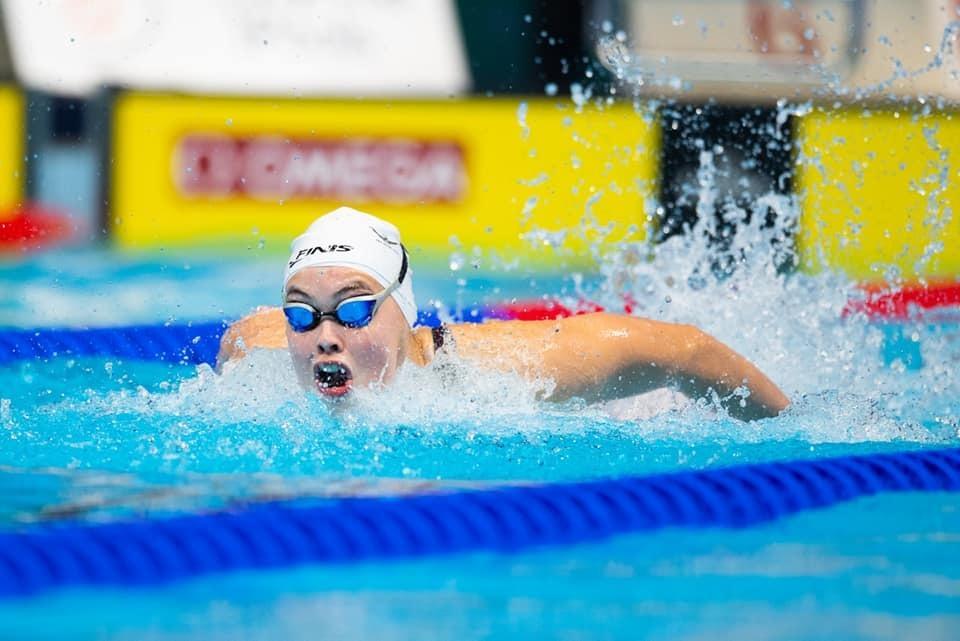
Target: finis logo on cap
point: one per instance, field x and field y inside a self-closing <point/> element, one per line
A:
<point x="322" y="249"/>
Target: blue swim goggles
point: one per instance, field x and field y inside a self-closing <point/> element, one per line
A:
<point x="353" y="312"/>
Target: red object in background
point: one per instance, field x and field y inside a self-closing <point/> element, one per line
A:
<point x="551" y="309"/>
<point x="32" y="227"/>
<point x="906" y="301"/>
<point x="543" y="309"/>
<point x="880" y="303"/>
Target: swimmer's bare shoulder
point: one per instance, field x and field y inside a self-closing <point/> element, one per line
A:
<point x="597" y="356"/>
<point x="602" y="356"/>
<point x="263" y="329"/>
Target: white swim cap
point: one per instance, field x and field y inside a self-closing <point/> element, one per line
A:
<point x="349" y="238"/>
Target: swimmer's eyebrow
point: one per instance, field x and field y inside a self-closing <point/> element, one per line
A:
<point x="352" y="286"/>
<point x="296" y="291"/>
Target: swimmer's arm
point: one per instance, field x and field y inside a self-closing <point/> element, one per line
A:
<point x="604" y="356"/>
<point x="705" y="364"/>
<point x="264" y="328"/>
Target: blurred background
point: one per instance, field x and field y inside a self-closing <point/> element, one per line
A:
<point x="489" y="131"/>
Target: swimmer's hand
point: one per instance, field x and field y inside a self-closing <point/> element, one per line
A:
<point x="604" y="356"/>
<point x="262" y="329"/>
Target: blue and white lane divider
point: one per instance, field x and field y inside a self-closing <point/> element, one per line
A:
<point x="504" y="519"/>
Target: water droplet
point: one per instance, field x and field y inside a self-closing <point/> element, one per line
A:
<point x="678" y="20"/>
<point x="522" y="114"/>
<point x="578" y="94"/>
<point x="551" y="89"/>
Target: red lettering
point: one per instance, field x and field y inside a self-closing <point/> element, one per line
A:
<point x="207" y="166"/>
<point x="360" y="170"/>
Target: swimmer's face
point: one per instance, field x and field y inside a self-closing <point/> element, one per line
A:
<point x="331" y="358"/>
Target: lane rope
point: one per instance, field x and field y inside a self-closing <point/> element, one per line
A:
<point x="192" y="343"/>
<point x="503" y="519"/>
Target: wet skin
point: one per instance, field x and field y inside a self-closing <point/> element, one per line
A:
<point x="597" y="357"/>
<point x="365" y="356"/>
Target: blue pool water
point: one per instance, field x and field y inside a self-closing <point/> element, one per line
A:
<point x="101" y="439"/>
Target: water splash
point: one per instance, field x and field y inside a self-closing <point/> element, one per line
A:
<point x="737" y="285"/>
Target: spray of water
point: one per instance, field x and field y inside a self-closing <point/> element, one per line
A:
<point x="795" y="325"/>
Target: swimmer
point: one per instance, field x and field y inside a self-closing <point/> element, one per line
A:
<point x="348" y="320"/>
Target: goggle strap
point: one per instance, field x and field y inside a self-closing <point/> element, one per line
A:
<point x="403" y="264"/>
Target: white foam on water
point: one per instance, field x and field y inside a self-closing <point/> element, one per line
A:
<point x="255" y="389"/>
<point x="464" y="399"/>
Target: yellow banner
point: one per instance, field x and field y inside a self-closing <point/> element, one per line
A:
<point x="11" y="149"/>
<point x="506" y="176"/>
<point x="879" y="193"/>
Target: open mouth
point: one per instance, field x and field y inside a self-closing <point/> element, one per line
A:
<point x="333" y="378"/>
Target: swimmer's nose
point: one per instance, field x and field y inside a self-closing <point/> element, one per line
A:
<point x="329" y="340"/>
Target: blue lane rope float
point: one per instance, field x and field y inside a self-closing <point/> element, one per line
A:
<point x="188" y="343"/>
<point x="349" y="530"/>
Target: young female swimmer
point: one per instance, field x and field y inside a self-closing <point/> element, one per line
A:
<point x="348" y="314"/>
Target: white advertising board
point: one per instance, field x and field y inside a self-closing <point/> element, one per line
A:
<point x="278" y="47"/>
